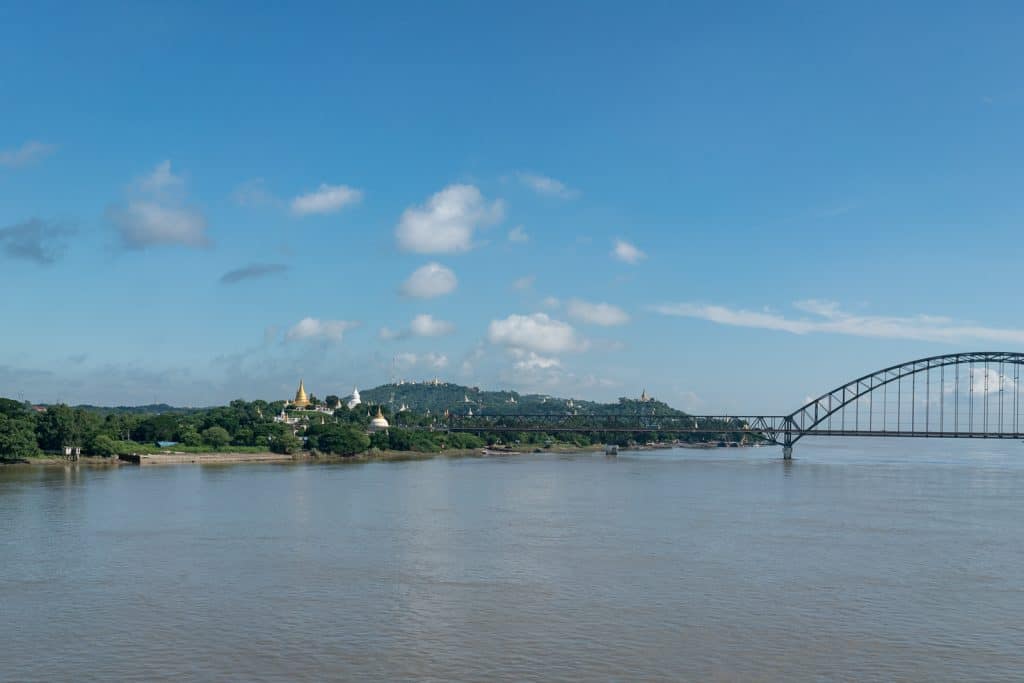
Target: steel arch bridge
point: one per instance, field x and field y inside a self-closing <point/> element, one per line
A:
<point x="958" y="395"/>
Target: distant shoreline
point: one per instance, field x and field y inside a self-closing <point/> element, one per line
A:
<point x="232" y="458"/>
<point x="225" y="458"/>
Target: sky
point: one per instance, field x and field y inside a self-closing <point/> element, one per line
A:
<point x="735" y="206"/>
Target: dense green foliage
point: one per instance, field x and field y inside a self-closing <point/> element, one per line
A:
<point x="337" y="439"/>
<point x="26" y="431"/>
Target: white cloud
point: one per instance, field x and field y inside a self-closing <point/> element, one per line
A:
<point x="529" y="360"/>
<point x="314" y="328"/>
<point x="144" y="223"/>
<point x="326" y="199"/>
<point x="160" y="179"/>
<point x="602" y="314"/>
<point x="524" y="282"/>
<point x="426" y="325"/>
<point x="29" y="153"/>
<point x="628" y="252"/>
<point x="827" y="317"/>
<point x="551" y="302"/>
<point x="388" y="334"/>
<point x="407" y="360"/>
<point x="155" y="215"/>
<point x="980" y="375"/>
<point x="446" y="223"/>
<point x="536" y="332"/>
<point x="547" y="186"/>
<point x="430" y="281"/>
<point x="518" y="235"/>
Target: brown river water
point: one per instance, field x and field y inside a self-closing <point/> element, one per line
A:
<point x="860" y="560"/>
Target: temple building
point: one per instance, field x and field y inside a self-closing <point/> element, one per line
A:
<point x="301" y="399"/>
<point x="354" y="399"/>
<point x="379" y="423"/>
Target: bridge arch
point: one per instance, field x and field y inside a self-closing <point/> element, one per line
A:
<point x="810" y="417"/>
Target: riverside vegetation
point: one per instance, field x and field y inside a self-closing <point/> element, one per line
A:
<point x="327" y="426"/>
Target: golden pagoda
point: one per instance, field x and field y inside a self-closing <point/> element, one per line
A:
<point x="301" y="400"/>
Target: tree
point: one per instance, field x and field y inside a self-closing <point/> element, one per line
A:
<point x="17" y="438"/>
<point x="332" y="401"/>
<point x="286" y="443"/>
<point x="216" y="437"/>
<point x="342" y="440"/>
<point x="56" y="428"/>
<point x="103" y="445"/>
<point x="190" y="437"/>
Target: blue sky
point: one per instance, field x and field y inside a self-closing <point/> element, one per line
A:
<point x="735" y="207"/>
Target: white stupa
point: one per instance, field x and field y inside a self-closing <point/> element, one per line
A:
<point x="354" y="399"/>
<point x="379" y="423"/>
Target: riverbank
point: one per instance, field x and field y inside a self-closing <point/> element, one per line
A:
<point x="230" y="458"/>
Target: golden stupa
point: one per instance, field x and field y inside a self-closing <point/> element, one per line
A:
<point x="301" y="400"/>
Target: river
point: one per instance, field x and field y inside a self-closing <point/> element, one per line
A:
<point x="860" y="560"/>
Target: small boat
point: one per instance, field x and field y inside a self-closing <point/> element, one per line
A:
<point x="611" y="449"/>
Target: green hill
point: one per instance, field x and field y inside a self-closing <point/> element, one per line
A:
<point x="459" y="400"/>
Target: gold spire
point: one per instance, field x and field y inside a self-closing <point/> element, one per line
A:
<point x="301" y="400"/>
<point x="379" y="413"/>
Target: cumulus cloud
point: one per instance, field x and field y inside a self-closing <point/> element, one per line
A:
<point x="602" y="314"/>
<point x="34" y="240"/>
<point x="518" y="235"/>
<point x="29" y="153"/>
<point x="252" y="272"/>
<point x="326" y="199"/>
<point x="314" y="328"/>
<point x="551" y="302"/>
<point x="828" y="317"/>
<point x="447" y="221"/>
<point x="429" y="281"/>
<point x="548" y="187"/>
<point x="537" y="332"/>
<point x="426" y="325"/>
<point x="628" y="252"/>
<point x="156" y="215"/>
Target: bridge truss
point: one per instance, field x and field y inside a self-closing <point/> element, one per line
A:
<point x="960" y="395"/>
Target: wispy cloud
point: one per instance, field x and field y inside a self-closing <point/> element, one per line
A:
<point x="628" y="252"/>
<point x="524" y="283"/>
<point x="326" y="199"/>
<point x="34" y="240"/>
<point x="548" y="187"/>
<point x="254" y="193"/>
<point x="423" y="325"/>
<point x="314" y="328"/>
<point x="828" y="317"/>
<point x="29" y="153"/>
<point x="155" y="214"/>
<point x="602" y="314"/>
<point x="518" y="235"/>
<point x="252" y="272"/>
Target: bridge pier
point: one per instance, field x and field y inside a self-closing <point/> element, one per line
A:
<point x="787" y="452"/>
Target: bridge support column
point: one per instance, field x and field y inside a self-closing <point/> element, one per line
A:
<point x="787" y="452"/>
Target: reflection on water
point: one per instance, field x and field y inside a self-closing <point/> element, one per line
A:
<point x="862" y="559"/>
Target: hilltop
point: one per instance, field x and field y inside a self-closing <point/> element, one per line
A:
<point x="437" y="397"/>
